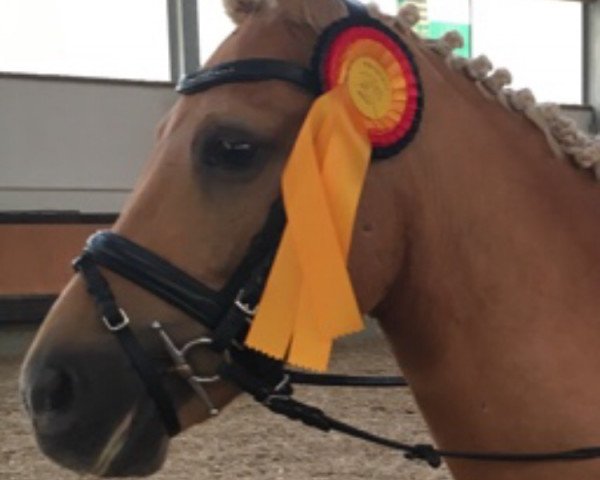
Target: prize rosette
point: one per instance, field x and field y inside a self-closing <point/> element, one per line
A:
<point x="381" y="77"/>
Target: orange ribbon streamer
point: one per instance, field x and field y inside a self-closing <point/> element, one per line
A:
<point x="309" y="300"/>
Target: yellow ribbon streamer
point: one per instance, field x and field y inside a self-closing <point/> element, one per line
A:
<point x="308" y="300"/>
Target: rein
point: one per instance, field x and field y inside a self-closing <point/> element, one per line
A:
<point x="228" y="313"/>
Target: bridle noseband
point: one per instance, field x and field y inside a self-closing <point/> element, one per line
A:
<point x="227" y="314"/>
<point x="224" y="313"/>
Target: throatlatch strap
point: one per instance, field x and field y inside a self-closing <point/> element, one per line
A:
<point x="117" y="323"/>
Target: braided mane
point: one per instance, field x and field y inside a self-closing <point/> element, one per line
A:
<point x="564" y="137"/>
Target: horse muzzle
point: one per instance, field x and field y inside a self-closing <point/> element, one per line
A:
<point x="91" y="415"/>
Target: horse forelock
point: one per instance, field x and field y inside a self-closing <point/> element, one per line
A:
<point x="315" y="13"/>
<point x="239" y="10"/>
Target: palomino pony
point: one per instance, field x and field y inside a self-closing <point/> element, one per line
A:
<point x="475" y="247"/>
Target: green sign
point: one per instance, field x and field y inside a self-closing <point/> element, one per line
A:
<point x="441" y="16"/>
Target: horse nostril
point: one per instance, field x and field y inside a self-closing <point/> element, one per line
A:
<point x="51" y="392"/>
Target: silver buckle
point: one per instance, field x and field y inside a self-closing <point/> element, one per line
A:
<point x="120" y="326"/>
<point x="185" y="370"/>
<point x="244" y="307"/>
<point x="277" y="391"/>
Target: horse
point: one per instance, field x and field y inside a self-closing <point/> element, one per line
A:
<point x="475" y="247"/>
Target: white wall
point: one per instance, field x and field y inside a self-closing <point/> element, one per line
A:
<point x="107" y="38"/>
<point x="539" y="41"/>
<point x="73" y="145"/>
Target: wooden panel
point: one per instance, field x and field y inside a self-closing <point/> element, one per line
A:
<point x="36" y="259"/>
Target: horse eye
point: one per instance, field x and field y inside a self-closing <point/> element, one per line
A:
<point x="229" y="155"/>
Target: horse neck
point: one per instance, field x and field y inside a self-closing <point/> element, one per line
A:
<point x="494" y="222"/>
<point x="482" y="191"/>
<point x="501" y="267"/>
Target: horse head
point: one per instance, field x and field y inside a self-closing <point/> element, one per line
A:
<point x="205" y="195"/>
<point x="200" y="225"/>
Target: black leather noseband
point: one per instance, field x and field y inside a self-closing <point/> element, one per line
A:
<point x="161" y="278"/>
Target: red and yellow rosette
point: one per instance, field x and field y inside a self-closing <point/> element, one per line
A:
<point x="382" y="79"/>
<point x="370" y="108"/>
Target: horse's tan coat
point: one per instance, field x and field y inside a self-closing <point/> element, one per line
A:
<point x="476" y="248"/>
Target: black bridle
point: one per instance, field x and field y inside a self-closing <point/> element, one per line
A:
<point x="227" y="314"/>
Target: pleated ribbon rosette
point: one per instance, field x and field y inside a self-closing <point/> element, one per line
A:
<point x="371" y="108"/>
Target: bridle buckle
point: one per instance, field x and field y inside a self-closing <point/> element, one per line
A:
<point x="124" y="323"/>
<point x="244" y="307"/>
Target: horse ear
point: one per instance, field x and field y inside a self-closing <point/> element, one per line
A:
<point x="238" y="10"/>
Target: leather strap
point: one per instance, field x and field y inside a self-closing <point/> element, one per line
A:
<point x="279" y="401"/>
<point x="168" y="282"/>
<point x="327" y="380"/>
<point x="117" y="323"/>
<point x="157" y="276"/>
<point x="259" y="69"/>
<point x="234" y="327"/>
<point x="249" y="70"/>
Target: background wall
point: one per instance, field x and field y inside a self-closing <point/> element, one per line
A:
<point x="66" y="145"/>
<point x="75" y="144"/>
<point x="592" y="55"/>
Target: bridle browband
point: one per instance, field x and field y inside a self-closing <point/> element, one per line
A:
<point x="250" y="70"/>
<point x="227" y="314"/>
